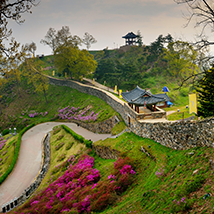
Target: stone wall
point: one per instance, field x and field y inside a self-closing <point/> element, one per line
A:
<point x="176" y="135"/>
<point x="37" y="181"/>
<point x="101" y="127"/>
<point x="105" y="152"/>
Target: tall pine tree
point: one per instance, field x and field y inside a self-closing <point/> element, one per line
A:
<point x="206" y="94"/>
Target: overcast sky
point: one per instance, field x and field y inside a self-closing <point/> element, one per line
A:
<point x="106" y="20"/>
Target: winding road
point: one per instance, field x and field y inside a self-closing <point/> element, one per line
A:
<point x="30" y="157"/>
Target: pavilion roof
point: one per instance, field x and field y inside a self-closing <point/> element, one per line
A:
<point x="130" y="35"/>
<point x="139" y="96"/>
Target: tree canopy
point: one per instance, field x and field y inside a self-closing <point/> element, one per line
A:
<point x="88" y="40"/>
<point x="202" y="12"/>
<point x="12" y="11"/>
<point x="70" y="59"/>
<point x="206" y="94"/>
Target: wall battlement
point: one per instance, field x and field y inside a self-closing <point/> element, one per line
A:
<point x="176" y="135"/>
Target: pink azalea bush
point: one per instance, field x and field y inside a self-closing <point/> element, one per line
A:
<point x="2" y="143"/>
<point x="73" y="113"/>
<point x="79" y="189"/>
<point x="35" y="114"/>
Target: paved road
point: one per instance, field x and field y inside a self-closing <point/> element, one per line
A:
<point x="29" y="161"/>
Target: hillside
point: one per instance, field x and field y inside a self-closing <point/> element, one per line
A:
<point x="129" y="66"/>
<point x="19" y="112"/>
<point x="146" y="178"/>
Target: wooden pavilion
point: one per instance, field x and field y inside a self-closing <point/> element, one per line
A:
<point x="139" y="97"/>
<point x="130" y="38"/>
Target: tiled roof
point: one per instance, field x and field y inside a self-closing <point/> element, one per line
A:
<point x="130" y="35"/>
<point x="140" y="96"/>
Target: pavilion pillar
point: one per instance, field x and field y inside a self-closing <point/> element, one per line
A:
<point x="131" y="105"/>
<point x="138" y="110"/>
<point x="154" y="107"/>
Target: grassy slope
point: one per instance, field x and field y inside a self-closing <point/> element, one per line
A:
<point x="57" y="155"/>
<point x="149" y="193"/>
<point x="153" y="194"/>
<point x="154" y="82"/>
<point x="7" y="152"/>
<point x="15" y="112"/>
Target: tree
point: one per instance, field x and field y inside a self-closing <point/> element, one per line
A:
<point x="73" y="61"/>
<point x="33" y="72"/>
<point x="139" y="39"/>
<point x="10" y="65"/>
<point x="31" y="48"/>
<point x="181" y="59"/>
<point x="88" y="40"/>
<point x="12" y="10"/>
<point x="50" y="39"/>
<point x="206" y="94"/>
<point x="203" y="12"/>
<point x="55" y="38"/>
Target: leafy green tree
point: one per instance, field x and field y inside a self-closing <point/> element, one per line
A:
<point x="139" y="39"/>
<point x="33" y="72"/>
<point x="55" y="38"/>
<point x="181" y="60"/>
<point x="206" y="94"/>
<point x="69" y="59"/>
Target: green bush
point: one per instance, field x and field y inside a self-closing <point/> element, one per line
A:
<point x="6" y="131"/>
<point x="60" y="145"/>
<point x="69" y="145"/>
<point x="60" y="137"/>
<point x="61" y="157"/>
<point x="56" y="130"/>
<point x="88" y="143"/>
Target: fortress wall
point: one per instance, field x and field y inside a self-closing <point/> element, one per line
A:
<point x="176" y="135"/>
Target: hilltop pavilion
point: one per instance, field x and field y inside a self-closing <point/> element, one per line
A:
<point x="130" y="38"/>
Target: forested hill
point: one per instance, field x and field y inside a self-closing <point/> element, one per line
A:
<point x="163" y="62"/>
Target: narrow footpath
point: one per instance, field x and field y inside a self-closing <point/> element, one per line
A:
<point x="30" y="157"/>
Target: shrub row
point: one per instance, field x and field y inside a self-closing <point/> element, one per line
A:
<point x="87" y="143"/>
<point x="16" y="154"/>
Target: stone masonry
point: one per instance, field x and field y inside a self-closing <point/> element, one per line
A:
<point x="176" y="135"/>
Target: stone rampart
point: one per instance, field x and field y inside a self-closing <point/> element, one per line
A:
<point x="105" y="152"/>
<point x="104" y="127"/>
<point x="176" y="135"/>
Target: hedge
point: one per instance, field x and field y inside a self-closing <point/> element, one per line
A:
<point x="16" y="153"/>
<point x="80" y="138"/>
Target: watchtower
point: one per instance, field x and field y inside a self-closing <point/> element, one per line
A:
<point x="130" y="38"/>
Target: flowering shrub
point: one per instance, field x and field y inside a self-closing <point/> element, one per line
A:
<point x="34" y="114"/>
<point x="180" y="205"/>
<point x="4" y="153"/>
<point x="60" y="137"/>
<point x="2" y="143"/>
<point x="79" y="190"/>
<point x="73" y="113"/>
<point x="160" y="172"/>
<point x="60" y="145"/>
<point x="69" y="145"/>
<point x="61" y="157"/>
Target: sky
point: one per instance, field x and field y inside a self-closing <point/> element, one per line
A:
<point x="106" y="20"/>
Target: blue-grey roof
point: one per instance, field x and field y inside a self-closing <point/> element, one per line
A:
<point x="130" y="35"/>
<point x="139" y="96"/>
<point x="165" y="96"/>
